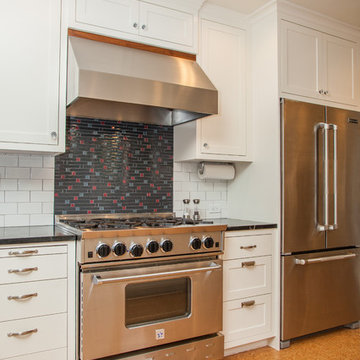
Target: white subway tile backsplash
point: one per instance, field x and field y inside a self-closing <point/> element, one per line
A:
<point x="17" y="220"/>
<point x="48" y="208"/>
<point x="42" y="196"/>
<point x="42" y="219"/>
<point x="189" y="186"/>
<point x="47" y="185"/>
<point x="26" y="189"/>
<point x="9" y="160"/>
<point x="8" y="184"/>
<point x="17" y="196"/>
<point x="206" y="186"/>
<point x="49" y="162"/>
<point x="212" y="194"/>
<point x="34" y="161"/>
<point x="29" y="184"/>
<point x="42" y="173"/>
<point x="29" y="208"/>
<point x="10" y="208"/>
<point x="17" y="173"/>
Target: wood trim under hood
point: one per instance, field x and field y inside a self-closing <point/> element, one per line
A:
<point x="131" y="44"/>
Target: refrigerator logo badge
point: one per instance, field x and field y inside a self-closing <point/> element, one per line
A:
<point x="159" y="334"/>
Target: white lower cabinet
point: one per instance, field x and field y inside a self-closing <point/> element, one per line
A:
<point x="247" y="287"/>
<point x="37" y="302"/>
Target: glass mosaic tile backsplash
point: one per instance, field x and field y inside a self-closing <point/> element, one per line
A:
<point x="114" y="167"/>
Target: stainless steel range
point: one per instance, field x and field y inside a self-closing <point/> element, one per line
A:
<point x="150" y="287"/>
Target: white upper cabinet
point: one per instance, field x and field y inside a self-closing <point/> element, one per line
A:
<point x="317" y="65"/>
<point x="139" y="21"/>
<point x="30" y="73"/>
<point x="222" y="137"/>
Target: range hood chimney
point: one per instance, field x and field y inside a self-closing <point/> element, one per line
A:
<point x="113" y="82"/>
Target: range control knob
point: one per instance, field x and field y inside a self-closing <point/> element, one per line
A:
<point x="166" y="245"/>
<point x="195" y="243"/>
<point x="119" y="249"/>
<point x="103" y="250"/>
<point x="152" y="246"/>
<point x="136" y="250"/>
<point x="208" y="242"/>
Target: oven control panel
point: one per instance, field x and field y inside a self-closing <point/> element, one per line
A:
<point x="126" y="248"/>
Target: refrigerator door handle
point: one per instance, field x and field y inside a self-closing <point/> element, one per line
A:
<point x="325" y="127"/>
<point x="324" y="259"/>
<point x="334" y="225"/>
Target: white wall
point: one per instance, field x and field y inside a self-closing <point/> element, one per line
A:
<point x="255" y="192"/>
<point x="26" y="189"/>
<point x="212" y="194"/>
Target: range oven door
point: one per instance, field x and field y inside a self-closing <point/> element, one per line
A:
<point x="129" y="308"/>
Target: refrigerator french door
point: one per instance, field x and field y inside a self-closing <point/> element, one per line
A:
<point x="320" y="218"/>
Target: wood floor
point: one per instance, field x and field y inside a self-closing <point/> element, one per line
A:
<point x="339" y="344"/>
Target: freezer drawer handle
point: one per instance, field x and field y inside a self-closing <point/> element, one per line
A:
<point x="248" y="247"/>
<point x="97" y="280"/>
<point x="324" y="259"/>
<point x="23" y="253"/>
<point x="248" y="303"/>
<point x="247" y="263"/>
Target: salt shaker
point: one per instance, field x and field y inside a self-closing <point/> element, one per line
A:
<point x="196" y="215"/>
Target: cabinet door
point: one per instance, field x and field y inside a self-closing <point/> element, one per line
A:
<point x="301" y="60"/>
<point x="222" y="56"/>
<point x="341" y="80"/>
<point x="29" y="71"/>
<point x="121" y="15"/>
<point x="160" y="23"/>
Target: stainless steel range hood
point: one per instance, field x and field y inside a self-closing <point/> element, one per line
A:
<point x="118" y="83"/>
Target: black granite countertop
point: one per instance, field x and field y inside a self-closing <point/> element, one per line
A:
<point x="33" y="234"/>
<point x="237" y="224"/>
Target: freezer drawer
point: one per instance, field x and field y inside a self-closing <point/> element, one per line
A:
<point x="320" y="291"/>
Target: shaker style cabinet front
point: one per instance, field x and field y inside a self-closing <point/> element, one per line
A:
<point x="318" y="65"/>
<point x="247" y="287"/>
<point x="138" y="21"/>
<point x="37" y="301"/>
<point x="29" y="73"/>
<point x="222" y="137"/>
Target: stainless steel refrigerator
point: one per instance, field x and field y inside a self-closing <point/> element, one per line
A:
<point x="320" y="218"/>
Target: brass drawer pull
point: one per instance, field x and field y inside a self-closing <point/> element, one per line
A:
<point x="248" y="247"/>
<point x="25" y="270"/>
<point x="22" y="297"/>
<point x="28" y="332"/>
<point x="247" y="263"/>
<point x="24" y="252"/>
<point x="248" y="303"/>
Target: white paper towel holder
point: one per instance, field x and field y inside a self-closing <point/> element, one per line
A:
<point x="203" y="164"/>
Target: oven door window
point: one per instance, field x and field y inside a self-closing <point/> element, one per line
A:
<point x="155" y="301"/>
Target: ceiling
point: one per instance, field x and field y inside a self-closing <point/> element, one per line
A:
<point x="347" y="11"/>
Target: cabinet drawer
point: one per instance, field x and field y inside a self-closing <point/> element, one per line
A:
<point x="247" y="246"/>
<point x="44" y="298"/>
<point x="247" y="277"/>
<point x="57" y="354"/>
<point x="29" y="251"/>
<point x="22" y="269"/>
<point x="243" y="320"/>
<point x="50" y="334"/>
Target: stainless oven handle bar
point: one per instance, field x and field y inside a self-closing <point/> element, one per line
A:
<point x="97" y="280"/>
<point x="324" y="259"/>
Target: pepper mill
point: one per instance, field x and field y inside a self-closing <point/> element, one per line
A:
<point x="186" y="209"/>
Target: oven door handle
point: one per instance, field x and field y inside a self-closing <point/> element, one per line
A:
<point x="98" y="280"/>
